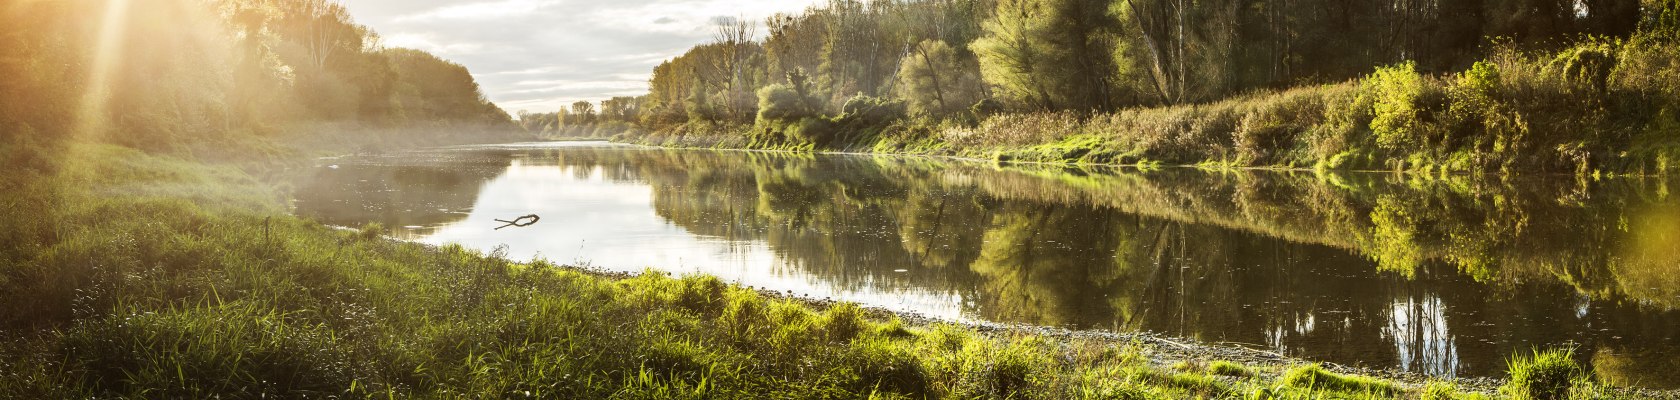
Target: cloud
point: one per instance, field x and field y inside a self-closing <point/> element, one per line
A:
<point x="581" y="50"/>
<point x="479" y="10"/>
<point x="425" y="42"/>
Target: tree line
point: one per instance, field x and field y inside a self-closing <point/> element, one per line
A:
<point x="964" y="59"/>
<point x="159" y="72"/>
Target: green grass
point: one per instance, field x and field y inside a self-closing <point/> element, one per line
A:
<point x="1545" y="375"/>
<point x="1231" y="369"/>
<point x="137" y="275"/>
<point x="1446" y="391"/>
<point x="1312" y="376"/>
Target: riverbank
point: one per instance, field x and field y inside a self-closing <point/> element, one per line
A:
<point x="1597" y="108"/>
<point x="134" y="274"/>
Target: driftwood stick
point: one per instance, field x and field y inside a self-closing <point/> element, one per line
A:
<point x="521" y="222"/>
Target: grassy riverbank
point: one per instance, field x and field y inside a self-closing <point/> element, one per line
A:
<point x="1598" y="107"/>
<point x="139" y="275"/>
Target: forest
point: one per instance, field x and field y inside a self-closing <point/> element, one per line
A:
<point x="1577" y="86"/>
<point x="188" y="74"/>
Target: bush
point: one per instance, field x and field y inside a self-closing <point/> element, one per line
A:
<point x="1589" y="62"/>
<point x="985" y="108"/>
<point x="1345" y="130"/>
<point x="815" y="131"/>
<point x="1274" y="124"/>
<point x="1397" y="94"/>
<point x="1480" y="115"/>
<point x="781" y="102"/>
<point x="871" y="111"/>
<point x="1546" y="375"/>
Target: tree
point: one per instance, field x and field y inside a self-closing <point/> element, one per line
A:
<point x="934" y="81"/>
<point x="582" y="113"/>
<point x="1009" y="59"/>
<point x="328" y="31"/>
<point x="1050" y="54"/>
<point x="1160" y="24"/>
<point x="734" y="35"/>
<point x="433" y="89"/>
<point x="620" y="109"/>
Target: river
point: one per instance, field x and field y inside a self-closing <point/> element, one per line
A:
<point x="1446" y="276"/>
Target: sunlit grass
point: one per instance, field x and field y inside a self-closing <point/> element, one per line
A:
<point x="1546" y="375"/>
<point x="1313" y="376"/>
<point x="1231" y="369"/>
<point x="167" y="278"/>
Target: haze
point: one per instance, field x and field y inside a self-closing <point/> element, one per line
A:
<point x="538" y="55"/>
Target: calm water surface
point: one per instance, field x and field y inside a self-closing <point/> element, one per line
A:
<point x="1440" y="276"/>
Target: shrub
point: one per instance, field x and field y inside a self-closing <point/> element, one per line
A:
<point x="1346" y="128"/>
<point x="1546" y="375"/>
<point x="1274" y="125"/>
<point x="1589" y="62"/>
<point x="1397" y="93"/>
<point x="1662" y="19"/>
<point x="871" y="111"/>
<point x="1479" y="113"/>
<point x="781" y="102"/>
<point x="816" y="131"/>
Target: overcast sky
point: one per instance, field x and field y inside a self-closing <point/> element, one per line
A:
<point x="537" y="55"/>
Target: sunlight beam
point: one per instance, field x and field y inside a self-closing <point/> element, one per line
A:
<point x="107" y="51"/>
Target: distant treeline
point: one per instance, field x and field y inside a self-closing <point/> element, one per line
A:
<point x="856" y="74"/>
<point x="583" y="119"/>
<point x="158" y="73"/>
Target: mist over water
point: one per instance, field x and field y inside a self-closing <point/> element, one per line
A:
<point x="1440" y="276"/>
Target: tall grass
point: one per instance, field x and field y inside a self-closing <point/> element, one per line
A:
<point x="158" y="277"/>
<point x="1546" y="375"/>
<point x="1315" y="377"/>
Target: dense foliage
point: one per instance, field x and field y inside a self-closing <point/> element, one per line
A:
<point x="1521" y="85"/>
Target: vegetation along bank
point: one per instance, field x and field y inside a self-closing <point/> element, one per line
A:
<point x="1531" y="86"/>
<point x="149" y="253"/>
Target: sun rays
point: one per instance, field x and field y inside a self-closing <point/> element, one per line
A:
<point x="90" y="119"/>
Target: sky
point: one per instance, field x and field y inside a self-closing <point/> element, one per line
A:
<point x="538" y="55"/>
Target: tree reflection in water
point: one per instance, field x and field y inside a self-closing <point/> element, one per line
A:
<point x="1437" y="275"/>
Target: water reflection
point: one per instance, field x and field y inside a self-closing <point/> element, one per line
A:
<point x="1442" y="276"/>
